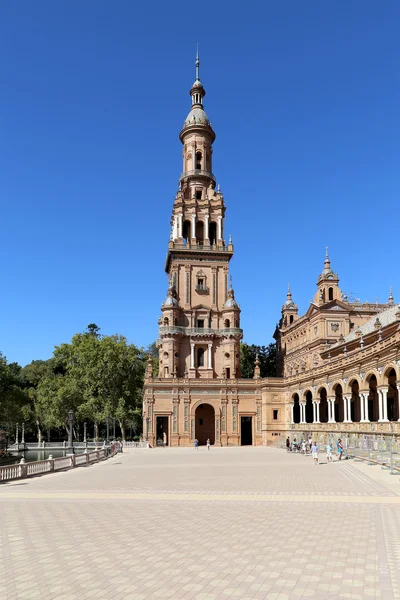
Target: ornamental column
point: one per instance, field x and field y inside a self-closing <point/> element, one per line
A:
<point x="219" y="227"/>
<point x="344" y="400"/>
<point x="206" y="232"/>
<point x="366" y="411"/>
<point x="302" y="412"/>
<point x="314" y="406"/>
<point x="210" y="355"/>
<point x="180" y="225"/>
<point x="318" y="421"/>
<point x="361" y="396"/>
<point x="380" y="406"/>
<point x="384" y="402"/>
<point x="349" y="409"/>
<point x="331" y="403"/>
<point x="398" y="400"/>
<point x="292" y="414"/>
<point x="192" y="355"/>
<point x="193" y="227"/>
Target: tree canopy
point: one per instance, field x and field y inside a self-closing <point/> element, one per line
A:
<point x="266" y="356"/>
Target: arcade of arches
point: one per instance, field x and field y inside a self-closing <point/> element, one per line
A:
<point x="374" y="399"/>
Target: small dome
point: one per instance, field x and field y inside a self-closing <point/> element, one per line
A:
<point x="197" y="84"/>
<point x="196" y="116"/>
<point x="171" y="301"/>
<point x="231" y="303"/>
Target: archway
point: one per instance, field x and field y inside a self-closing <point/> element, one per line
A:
<point x="339" y="408"/>
<point x="186" y="232"/>
<point x="200" y="232"/>
<point x="309" y="408"/>
<point x="323" y="405"/>
<point x="392" y="395"/>
<point x="212" y="233"/>
<point x="355" y="405"/>
<point x="296" y="409"/>
<point x="205" y="424"/>
<point x="373" y="399"/>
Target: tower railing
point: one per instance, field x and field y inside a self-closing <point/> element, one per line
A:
<point x="198" y="172"/>
<point x="178" y="330"/>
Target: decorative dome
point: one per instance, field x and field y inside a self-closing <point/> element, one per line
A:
<point x="230" y="302"/>
<point x="197" y="116"/>
<point x="171" y="296"/>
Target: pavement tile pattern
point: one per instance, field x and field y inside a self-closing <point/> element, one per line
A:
<point x="240" y="523"/>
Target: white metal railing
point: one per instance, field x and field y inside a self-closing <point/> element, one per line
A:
<point x="49" y="465"/>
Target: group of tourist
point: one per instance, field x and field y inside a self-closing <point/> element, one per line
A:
<point x="311" y="447"/>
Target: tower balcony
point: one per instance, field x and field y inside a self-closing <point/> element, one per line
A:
<point x="199" y="331"/>
<point x="198" y="173"/>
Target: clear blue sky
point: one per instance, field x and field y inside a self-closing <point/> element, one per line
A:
<point x="304" y="98"/>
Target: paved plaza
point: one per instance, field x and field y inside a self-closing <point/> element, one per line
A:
<point x="246" y="523"/>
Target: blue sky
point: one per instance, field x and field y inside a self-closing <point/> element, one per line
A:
<point x="304" y="98"/>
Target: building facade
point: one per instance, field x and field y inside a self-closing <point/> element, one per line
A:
<point x="337" y="366"/>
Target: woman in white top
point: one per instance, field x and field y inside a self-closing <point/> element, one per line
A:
<point x="314" y="449"/>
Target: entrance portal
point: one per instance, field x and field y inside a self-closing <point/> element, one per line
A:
<point x="246" y="431"/>
<point x="205" y="424"/>
<point x="162" y="431"/>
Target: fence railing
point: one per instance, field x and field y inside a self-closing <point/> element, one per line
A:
<point x="23" y="470"/>
<point x="142" y="444"/>
<point x="383" y="450"/>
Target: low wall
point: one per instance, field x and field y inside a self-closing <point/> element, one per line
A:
<point x="23" y="470"/>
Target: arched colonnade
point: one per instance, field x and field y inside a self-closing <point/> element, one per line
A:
<point x="370" y="397"/>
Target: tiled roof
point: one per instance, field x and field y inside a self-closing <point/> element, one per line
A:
<point x="386" y="317"/>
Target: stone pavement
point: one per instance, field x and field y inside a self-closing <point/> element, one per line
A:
<point x="239" y="523"/>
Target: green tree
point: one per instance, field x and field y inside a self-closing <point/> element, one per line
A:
<point x="31" y="376"/>
<point x="153" y="351"/>
<point x="12" y="395"/>
<point x="95" y="376"/>
<point x="266" y="356"/>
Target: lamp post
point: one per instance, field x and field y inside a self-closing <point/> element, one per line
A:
<point x="71" y="424"/>
<point x="114" y="428"/>
<point x="23" y="434"/>
<point x="108" y="428"/>
<point x="16" y="434"/>
<point x="84" y="433"/>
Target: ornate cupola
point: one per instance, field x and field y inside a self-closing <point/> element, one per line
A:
<point x="328" y="284"/>
<point x="231" y="309"/>
<point x="290" y="310"/>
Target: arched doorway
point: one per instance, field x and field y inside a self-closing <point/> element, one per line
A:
<point x="373" y="400"/>
<point x="323" y="405"/>
<point x="355" y="402"/>
<point x="392" y="395"/>
<point x="205" y="424"/>
<point x="339" y="408"/>
<point x="309" y="408"/>
<point x="296" y="409"/>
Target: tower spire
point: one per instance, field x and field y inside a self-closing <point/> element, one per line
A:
<point x="197" y="64"/>
<point x="327" y="262"/>
<point x="391" y="299"/>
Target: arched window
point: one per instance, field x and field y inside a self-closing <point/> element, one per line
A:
<point x="198" y="160"/>
<point x="212" y="233"/>
<point x="227" y="323"/>
<point x="330" y="293"/>
<point x="166" y="321"/>
<point x="186" y="231"/>
<point x="200" y="357"/>
<point x="200" y="232"/>
<point x="291" y="319"/>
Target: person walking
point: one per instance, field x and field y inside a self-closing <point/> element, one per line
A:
<point x="288" y="443"/>
<point x="328" y="452"/>
<point x="339" y="449"/>
<point x="196" y="444"/>
<point x="208" y="443"/>
<point x="314" y="449"/>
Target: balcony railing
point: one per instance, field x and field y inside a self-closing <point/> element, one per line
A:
<point x="198" y="172"/>
<point x="202" y="289"/>
<point x="200" y="247"/>
<point x="178" y="330"/>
